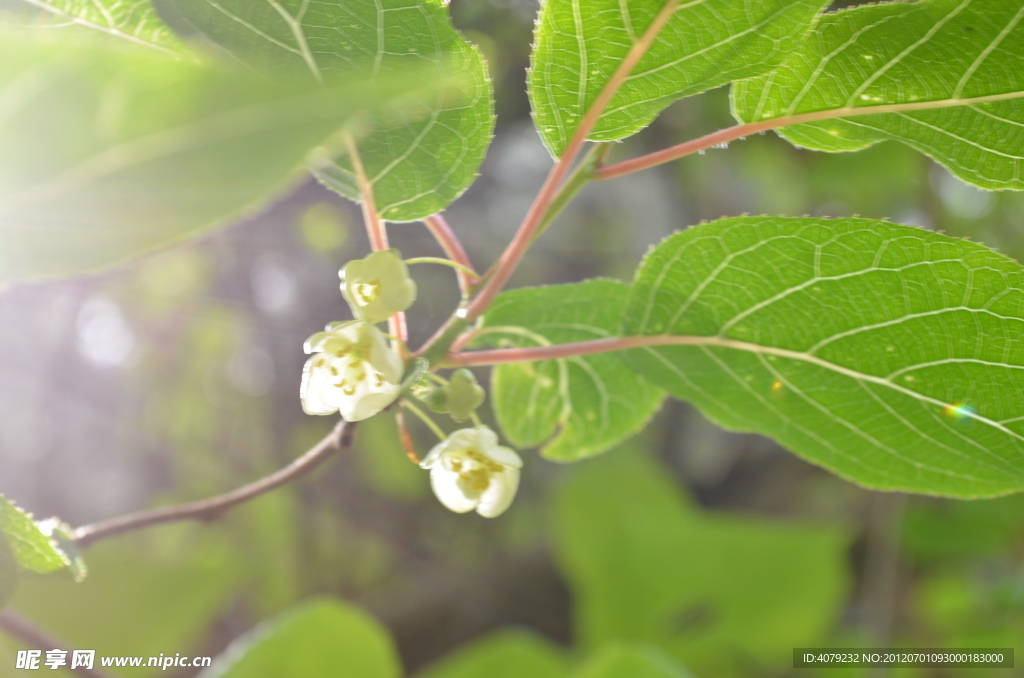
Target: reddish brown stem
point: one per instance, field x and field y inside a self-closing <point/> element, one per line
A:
<point x="453" y="249"/>
<point x="740" y="131"/>
<point x="535" y="217"/>
<point x="376" y="230"/>
<point x="403" y="434"/>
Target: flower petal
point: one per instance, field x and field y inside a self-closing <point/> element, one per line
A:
<point x="435" y="453"/>
<point x="368" y="399"/>
<point x="383" y="359"/>
<point x="315" y="390"/>
<point x="446" y="486"/>
<point x="505" y="456"/>
<point x="487" y="441"/>
<point x="499" y="493"/>
<point x="464" y="438"/>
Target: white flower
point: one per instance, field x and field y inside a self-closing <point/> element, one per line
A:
<point x="354" y="371"/>
<point x="377" y="286"/>
<point x="469" y="470"/>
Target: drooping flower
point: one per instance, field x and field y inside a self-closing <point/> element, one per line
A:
<point x="469" y="470"/>
<point x="377" y="286"/>
<point x="353" y="371"/>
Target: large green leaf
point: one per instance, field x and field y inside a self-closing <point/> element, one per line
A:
<point x="579" y="44"/>
<point x="32" y="548"/>
<point x="945" y="77"/>
<point x="597" y="400"/>
<point x="887" y="354"/>
<point x="418" y="158"/>
<point x="133" y="20"/>
<point x="318" y="638"/>
<point x="506" y="654"/>
<point x="721" y="594"/>
<point x="109" y="151"/>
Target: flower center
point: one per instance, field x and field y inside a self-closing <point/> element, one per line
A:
<point x="474" y="469"/>
<point x="366" y="293"/>
<point x="357" y="369"/>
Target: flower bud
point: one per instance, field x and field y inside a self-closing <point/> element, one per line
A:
<point x="463" y="395"/>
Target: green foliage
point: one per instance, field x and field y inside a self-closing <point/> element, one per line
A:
<point x="595" y="401"/>
<point x="8" y="572"/>
<point x="319" y="638"/>
<point x="887" y="354"/>
<point x="946" y="75"/>
<point x="32" y="547"/>
<point x="943" y="532"/>
<point x="146" y="595"/>
<point x="420" y="155"/>
<point x="506" y="654"/>
<point x="579" y="45"/>
<point x="132" y="20"/>
<point x="716" y="592"/>
<point x="631" y="661"/>
<point x="108" y="152"/>
<point x="882" y="352"/>
<point x="60" y="536"/>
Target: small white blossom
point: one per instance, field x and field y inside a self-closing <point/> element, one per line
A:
<point x="353" y="371"/>
<point x="377" y="286"/>
<point x="469" y="470"/>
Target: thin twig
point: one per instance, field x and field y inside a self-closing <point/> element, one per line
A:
<point x="422" y="416"/>
<point x="724" y="136"/>
<point x="882" y="568"/>
<point x="441" y="261"/>
<point x="374" y="225"/>
<point x="339" y="439"/>
<point x="22" y="629"/>
<point x="374" y="228"/>
<point x="453" y="249"/>
<point x="403" y="435"/>
<point x="535" y="217"/>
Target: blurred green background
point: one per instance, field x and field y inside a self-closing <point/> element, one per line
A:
<point x="176" y="377"/>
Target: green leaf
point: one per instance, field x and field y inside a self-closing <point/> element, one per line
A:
<point x="8" y="573"/>
<point x="705" y="44"/>
<point x="946" y="77"/>
<point x="108" y="152"/>
<point x="721" y="594"/>
<point x="60" y="534"/>
<point x="596" y="400"/>
<point x="418" y="157"/>
<point x="153" y="592"/>
<point x="887" y="354"/>
<point x="319" y="638"/>
<point x="132" y="20"/>
<point x="631" y="661"/>
<point x="33" y="548"/>
<point x="506" y="654"/>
